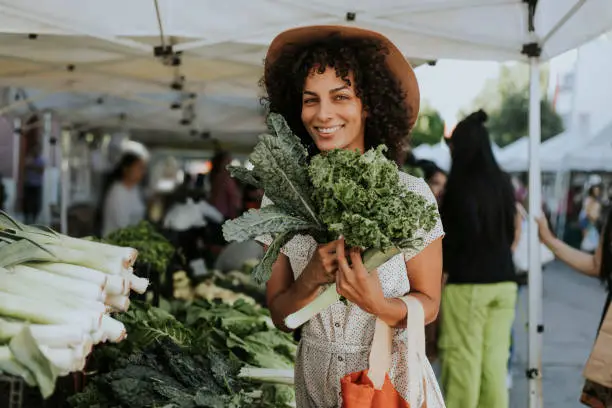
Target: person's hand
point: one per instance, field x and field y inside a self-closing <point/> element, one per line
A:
<point x="355" y="283"/>
<point x="323" y="265"/>
<point x="544" y="230"/>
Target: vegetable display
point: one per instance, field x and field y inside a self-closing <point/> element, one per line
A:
<point x="56" y="298"/>
<point x="202" y="354"/>
<point x="337" y="193"/>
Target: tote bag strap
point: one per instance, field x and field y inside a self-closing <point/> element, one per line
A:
<point x="381" y="349"/>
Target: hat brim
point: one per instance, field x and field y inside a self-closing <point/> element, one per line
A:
<point x="398" y="65"/>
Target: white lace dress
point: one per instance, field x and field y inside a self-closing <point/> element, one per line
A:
<point x="337" y="341"/>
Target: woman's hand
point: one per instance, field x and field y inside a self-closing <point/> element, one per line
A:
<point x="355" y="283"/>
<point x="546" y="236"/>
<point x="323" y="265"/>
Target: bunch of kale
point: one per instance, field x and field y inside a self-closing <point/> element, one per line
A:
<point x="336" y="193"/>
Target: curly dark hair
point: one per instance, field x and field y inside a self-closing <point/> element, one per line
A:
<point x="380" y="92"/>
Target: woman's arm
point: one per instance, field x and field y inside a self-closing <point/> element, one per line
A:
<point x="581" y="261"/>
<point x="284" y="295"/>
<point x="425" y="275"/>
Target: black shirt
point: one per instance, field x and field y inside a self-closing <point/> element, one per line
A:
<point x="470" y="257"/>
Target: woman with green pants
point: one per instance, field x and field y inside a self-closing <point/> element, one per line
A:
<point x="478" y="303"/>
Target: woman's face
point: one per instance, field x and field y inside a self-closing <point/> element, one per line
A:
<point x="437" y="183"/>
<point x="135" y="173"/>
<point x="332" y="113"/>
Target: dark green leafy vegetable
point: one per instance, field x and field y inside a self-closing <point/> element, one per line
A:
<point x="153" y="248"/>
<point x="192" y="361"/>
<point x="360" y="197"/>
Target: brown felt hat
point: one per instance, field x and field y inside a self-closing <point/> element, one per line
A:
<point x="397" y="63"/>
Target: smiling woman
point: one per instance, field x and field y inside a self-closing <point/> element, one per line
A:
<point x="351" y="89"/>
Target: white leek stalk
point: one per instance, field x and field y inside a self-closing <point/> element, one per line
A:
<point x="118" y="302"/>
<point x="78" y="288"/>
<point x="137" y="284"/>
<point x="268" y="375"/>
<point x="17" y="284"/>
<point x="47" y="312"/>
<point x="372" y="259"/>
<point x="52" y="335"/>
<point x="72" y="271"/>
<point x="113" y="329"/>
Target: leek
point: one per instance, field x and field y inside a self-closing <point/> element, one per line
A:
<point x="113" y="329"/>
<point x="52" y="335"/>
<point x="372" y="259"/>
<point x="77" y="288"/>
<point x="118" y="302"/>
<point x="26" y="351"/>
<point x="44" y="235"/>
<point x="47" y="312"/>
<point x="73" y="271"/>
<point x="268" y="375"/>
<point x="137" y="284"/>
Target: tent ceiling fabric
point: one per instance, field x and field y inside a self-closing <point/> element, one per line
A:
<point x="110" y="44"/>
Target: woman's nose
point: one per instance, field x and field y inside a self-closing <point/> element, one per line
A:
<point x="325" y="111"/>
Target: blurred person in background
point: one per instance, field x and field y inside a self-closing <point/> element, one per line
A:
<point x="435" y="177"/>
<point x="224" y="191"/>
<point x="590" y="215"/>
<point x="478" y="302"/>
<point x="597" y="265"/>
<point x="34" y="169"/>
<point x="2" y="193"/>
<point x="122" y="201"/>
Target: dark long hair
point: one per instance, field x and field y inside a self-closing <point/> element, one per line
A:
<point x="477" y="183"/>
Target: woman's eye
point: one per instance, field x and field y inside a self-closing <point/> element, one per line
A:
<point x="341" y="97"/>
<point x="309" y="101"/>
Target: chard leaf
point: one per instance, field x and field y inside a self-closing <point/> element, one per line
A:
<point x="261" y="273"/>
<point x="279" y="161"/>
<point x="268" y="220"/>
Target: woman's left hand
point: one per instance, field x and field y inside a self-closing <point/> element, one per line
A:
<point x="355" y="283"/>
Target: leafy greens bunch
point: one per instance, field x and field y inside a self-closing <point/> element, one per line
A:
<point x="339" y="192"/>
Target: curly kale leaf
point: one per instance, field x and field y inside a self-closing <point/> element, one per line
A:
<point x="361" y="197"/>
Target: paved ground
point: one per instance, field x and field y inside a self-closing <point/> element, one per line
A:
<point x="572" y="309"/>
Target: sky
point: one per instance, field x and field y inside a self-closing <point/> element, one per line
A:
<point x="451" y="85"/>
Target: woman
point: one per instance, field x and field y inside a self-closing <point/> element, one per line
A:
<point x="435" y="178"/>
<point x="224" y="192"/>
<point x="347" y="88"/>
<point x="34" y="171"/>
<point x="482" y="226"/>
<point x="596" y="265"/>
<point x="122" y="200"/>
<point x="590" y="217"/>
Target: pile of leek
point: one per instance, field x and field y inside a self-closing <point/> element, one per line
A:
<point x="57" y="294"/>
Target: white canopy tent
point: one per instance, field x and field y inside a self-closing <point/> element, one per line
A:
<point x="95" y="46"/>
<point x="596" y="155"/>
<point x="515" y="157"/>
<point x="440" y="154"/>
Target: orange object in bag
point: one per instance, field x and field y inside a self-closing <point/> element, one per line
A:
<point x="358" y="391"/>
<point x="372" y="388"/>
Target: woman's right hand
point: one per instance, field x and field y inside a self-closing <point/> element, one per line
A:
<point x="323" y="265"/>
<point x="546" y="235"/>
